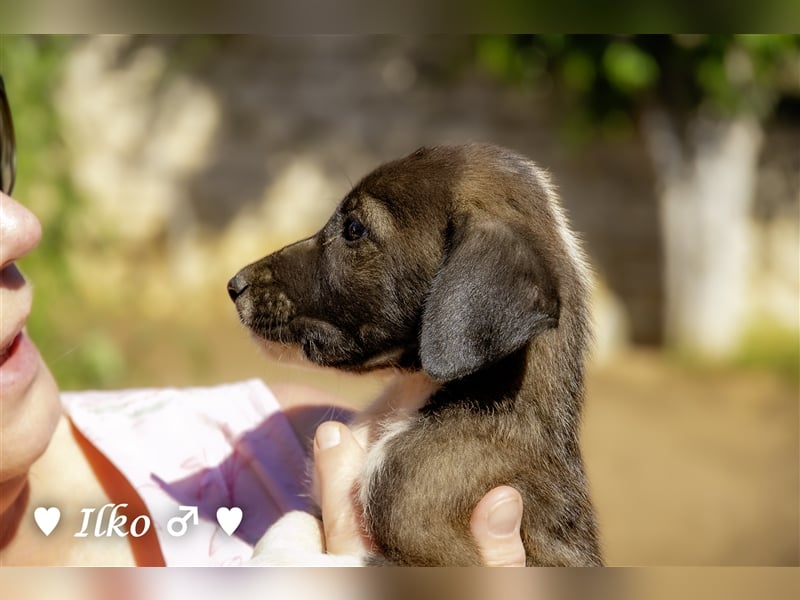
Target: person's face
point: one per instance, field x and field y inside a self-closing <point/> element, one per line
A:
<point x="29" y="403"/>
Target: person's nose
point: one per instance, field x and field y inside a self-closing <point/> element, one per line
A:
<point x="20" y="230"/>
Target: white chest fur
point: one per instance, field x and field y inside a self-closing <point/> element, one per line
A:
<point x="388" y="416"/>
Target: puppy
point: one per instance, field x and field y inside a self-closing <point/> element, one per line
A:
<point x="455" y="267"/>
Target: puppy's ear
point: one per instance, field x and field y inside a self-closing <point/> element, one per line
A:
<point x="491" y="295"/>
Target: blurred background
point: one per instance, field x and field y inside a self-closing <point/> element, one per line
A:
<point x="161" y="165"/>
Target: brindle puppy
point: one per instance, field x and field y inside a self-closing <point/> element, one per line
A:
<point x="455" y="266"/>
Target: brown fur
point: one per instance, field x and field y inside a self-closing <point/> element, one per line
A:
<point x="459" y="268"/>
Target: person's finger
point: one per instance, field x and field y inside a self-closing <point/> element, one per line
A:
<point x="338" y="461"/>
<point x="495" y="524"/>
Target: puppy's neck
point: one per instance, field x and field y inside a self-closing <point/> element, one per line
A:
<point x="407" y="393"/>
<point x="486" y="389"/>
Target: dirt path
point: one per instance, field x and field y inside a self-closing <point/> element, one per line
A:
<point x="693" y="468"/>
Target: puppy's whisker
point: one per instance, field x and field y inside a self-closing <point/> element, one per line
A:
<point x="66" y="353"/>
<point x="343" y="171"/>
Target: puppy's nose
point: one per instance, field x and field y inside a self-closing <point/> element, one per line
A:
<point x="237" y="285"/>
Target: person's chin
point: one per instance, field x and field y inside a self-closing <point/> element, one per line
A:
<point x="29" y="419"/>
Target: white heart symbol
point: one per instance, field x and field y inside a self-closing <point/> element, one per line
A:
<point x="47" y="518"/>
<point x="229" y="518"/>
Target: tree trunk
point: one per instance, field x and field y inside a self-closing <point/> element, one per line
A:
<point x="706" y="175"/>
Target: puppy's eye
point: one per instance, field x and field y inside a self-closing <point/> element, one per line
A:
<point x="353" y="229"/>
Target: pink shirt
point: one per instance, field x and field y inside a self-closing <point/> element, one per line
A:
<point x="223" y="446"/>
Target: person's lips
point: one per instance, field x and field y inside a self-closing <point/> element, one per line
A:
<point x="10" y="348"/>
<point x="19" y="363"/>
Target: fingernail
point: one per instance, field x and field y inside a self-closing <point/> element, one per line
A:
<point x="328" y="436"/>
<point x="505" y="517"/>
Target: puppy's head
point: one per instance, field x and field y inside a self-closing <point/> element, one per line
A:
<point x="446" y="260"/>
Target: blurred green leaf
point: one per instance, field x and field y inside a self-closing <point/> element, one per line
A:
<point x="495" y="54"/>
<point x="605" y="80"/>
<point x="628" y="67"/>
<point x="578" y="71"/>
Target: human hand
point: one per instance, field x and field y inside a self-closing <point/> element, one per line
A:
<point x="338" y="459"/>
<point x="300" y="539"/>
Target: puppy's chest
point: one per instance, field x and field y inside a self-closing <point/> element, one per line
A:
<point x="391" y="414"/>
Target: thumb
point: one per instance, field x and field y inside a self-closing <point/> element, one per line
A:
<point x="338" y="460"/>
<point x="495" y="524"/>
